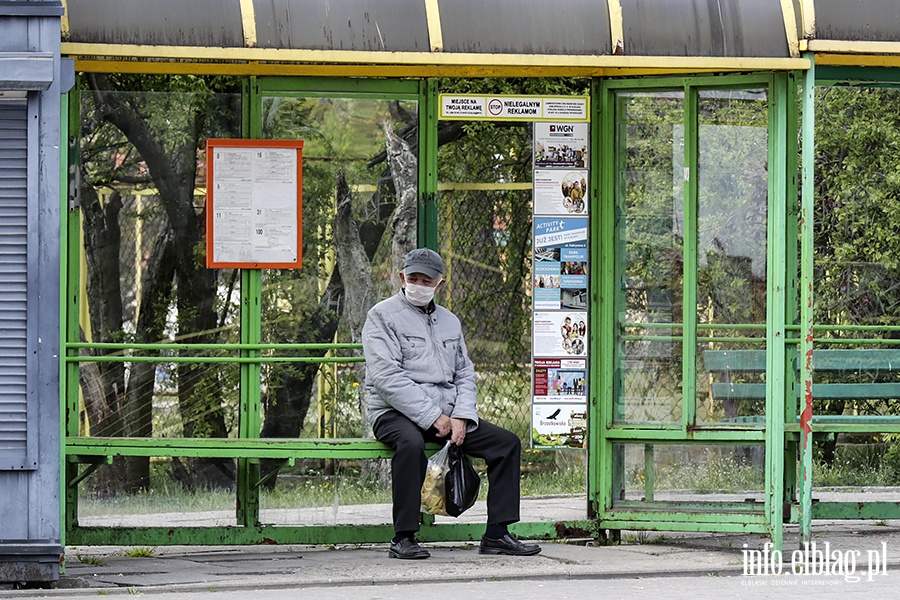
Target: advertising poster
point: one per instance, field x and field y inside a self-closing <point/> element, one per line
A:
<point x="560" y="192"/>
<point x="561" y="145"/>
<point x="560" y="264"/>
<point x="553" y="234"/>
<point x="561" y="334"/>
<point x="562" y="110"/>
<point x="560" y="380"/>
<point x="560" y="285"/>
<point x="558" y="425"/>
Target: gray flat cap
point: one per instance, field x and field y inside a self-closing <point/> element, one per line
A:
<point x="425" y="261"/>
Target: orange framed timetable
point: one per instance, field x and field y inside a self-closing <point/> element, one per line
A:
<point x="254" y="202"/>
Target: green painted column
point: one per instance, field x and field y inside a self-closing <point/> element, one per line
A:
<point x="807" y="158"/>
<point x="247" y="508"/>
<point x="428" y="164"/>
<point x="775" y="309"/>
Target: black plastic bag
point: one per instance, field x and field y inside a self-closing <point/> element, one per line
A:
<point x="462" y="483"/>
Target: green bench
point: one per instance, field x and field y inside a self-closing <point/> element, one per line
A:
<point x="875" y="380"/>
<point x="97" y="451"/>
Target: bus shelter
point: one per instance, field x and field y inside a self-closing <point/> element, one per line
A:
<point x="701" y="351"/>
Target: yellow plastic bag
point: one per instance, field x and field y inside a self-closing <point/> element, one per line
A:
<point x="434" y="489"/>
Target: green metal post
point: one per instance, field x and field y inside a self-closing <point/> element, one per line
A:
<point x="428" y="164"/>
<point x="649" y="473"/>
<point x="775" y="306"/>
<point x="247" y="512"/>
<point x="604" y="298"/>
<point x="689" y="306"/>
<point x="807" y="157"/>
<point x="428" y="183"/>
<point x="247" y="509"/>
<point x="71" y="309"/>
<point x="792" y="289"/>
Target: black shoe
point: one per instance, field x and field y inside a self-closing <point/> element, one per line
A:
<point x="407" y="548"/>
<point x="507" y="545"/>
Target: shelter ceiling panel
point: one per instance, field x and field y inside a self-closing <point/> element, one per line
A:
<point x="214" y="23"/>
<point x="868" y="21"/>
<point x="727" y="28"/>
<point x="363" y="25"/>
<point x="575" y="27"/>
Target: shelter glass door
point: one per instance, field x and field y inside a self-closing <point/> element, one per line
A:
<point x="691" y="187"/>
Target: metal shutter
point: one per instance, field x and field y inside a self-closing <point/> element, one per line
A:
<point x="13" y="282"/>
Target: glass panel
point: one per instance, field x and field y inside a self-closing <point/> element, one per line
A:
<point x="732" y="197"/>
<point x="143" y="276"/>
<point x="484" y="221"/>
<point x="856" y="279"/>
<point x="650" y="192"/>
<point x="485" y="231"/>
<point x="344" y="165"/>
<point x="689" y="474"/>
<point x="172" y="502"/>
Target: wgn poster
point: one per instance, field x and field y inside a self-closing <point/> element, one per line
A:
<point x="560" y="328"/>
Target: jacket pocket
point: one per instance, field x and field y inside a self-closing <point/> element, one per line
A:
<point x="412" y="347"/>
<point x="451" y="349"/>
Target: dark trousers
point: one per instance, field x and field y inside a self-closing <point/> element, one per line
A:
<point x="499" y="448"/>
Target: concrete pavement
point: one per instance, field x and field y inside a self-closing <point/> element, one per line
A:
<point x="861" y="545"/>
<point x="646" y="555"/>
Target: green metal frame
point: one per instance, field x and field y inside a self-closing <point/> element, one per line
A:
<point x="607" y="252"/>
<point x="814" y="335"/>
<point x="82" y="455"/>
<point x="789" y="326"/>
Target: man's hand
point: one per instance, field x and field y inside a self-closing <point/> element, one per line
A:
<point x="442" y="425"/>
<point x="458" y="431"/>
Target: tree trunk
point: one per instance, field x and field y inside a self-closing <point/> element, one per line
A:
<point x="173" y="173"/>
<point x="156" y="286"/>
<point x="103" y="383"/>
<point x="354" y="259"/>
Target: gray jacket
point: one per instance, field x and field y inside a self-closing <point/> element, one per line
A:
<point x="417" y="363"/>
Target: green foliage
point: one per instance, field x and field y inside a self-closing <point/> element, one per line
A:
<point x="140" y="552"/>
<point x="719" y="471"/>
<point x="857" y="243"/>
<point x="868" y="464"/>
<point x="553" y="481"/>
<point x="90" y="560"/>
<point x="644" y="538"/>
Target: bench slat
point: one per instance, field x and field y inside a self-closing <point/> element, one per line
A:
<point x="276" y="448"/>
<point x="881" y="359"/>
<point x="821" y="391"/>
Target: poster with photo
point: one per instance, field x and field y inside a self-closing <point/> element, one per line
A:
<point x="558" y="425"/>
<point x="561" y="192"/>
<point x="547" y="294"/>
<point x="561" y="334"/>
<point x="560" y="380"/>
<point x="560" y="264"/>
<point x="561" y="145"/>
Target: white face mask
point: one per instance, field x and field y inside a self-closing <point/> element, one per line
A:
<point x="419" y="295"/>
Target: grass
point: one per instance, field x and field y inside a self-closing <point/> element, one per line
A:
<point x="643" y="537"/>
<point x="90" y="560"/>
<point x="140" y="552"/>
<point x="544" y="473"/>
<point x="547" y="483"/>
<point x="310" y="490"/>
